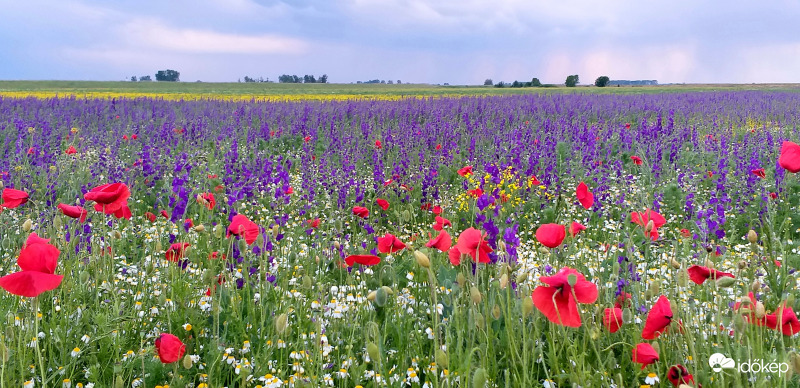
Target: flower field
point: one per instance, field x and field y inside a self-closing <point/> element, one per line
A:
<point x="555" y="240"/>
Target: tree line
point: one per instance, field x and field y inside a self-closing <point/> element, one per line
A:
<point x="571" y="81"/>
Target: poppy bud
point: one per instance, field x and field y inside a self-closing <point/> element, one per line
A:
<point x="388" y="290"/>
<point x="373" y="352"/>
<point x="380" y="297"/>
<point x="752" y="236"/>
<point x="187" y="362"/>
<point x="442" y="360"/>
<point x="460" y="279"/>
<point x="741" y="264"/>
<point x="502" y="246"/>
<point x="3" y="353"/>
<point x="738" y="322"/>
<point x="656" y="347"/>
<point x="649" y="227"/>
<point x="242" y="245"/>
<point x="281" y="323"/>
<point x="117" y="235"/>
<point x="2" y="185"/>
<point x="522" y="277"/>
<point x="527" y="306"/>
<point x="504" y="281"/>
<point x="683" y="278"/>
<point x="475" y="295"/>
<point x="119" y="382"/>
<point x="755" y="286"/>
<point x="655" y="286"/>
<point x="496" y="313"/>
<point x="316" y="259"/>
<point x="56" y="221"/>
<point x="307" y="283"/>
<point x="627" y="315"/>
<point x="337" y="245"/>
<point x="725" y="282"/>
<point x="275" y="231"/>
<point x="594" y="334"/>
<point x="84" y="276"/>
<point x="371" y="296"/>
<point x="709" y="263"/>
<point x="790" y="300"/>
<point x="572" y="279"/>
<point x="544" y="251"/>
<point x="217" y="231"/>
<point x="479" y="320"/>
<point x="201" y="200"/>
<point x="794" y="361"/>
<point x="27" y="225"/>
<point x="158" y="246"/>
<point x="422" y="259"/>
<point x="162" y="299"/>
<point x="674" y="263"/>
<point x="479" y="378"/>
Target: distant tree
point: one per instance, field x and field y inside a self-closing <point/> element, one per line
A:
<point x="323" y="79"/>
<point x="516" y="84"/>
<point x="133" y="78"/>
<point x="601" y="81"/>
<point x="168" y="76"/>
<point x="248" y="80"/>
<point x="390" y="82"/>
<point x="309" y="79"/>
<point x="145" y="78"/>
<point x="488" y="82"/>
<point x="572" y="80"/>
<point x="500" y="84"/>
<point x="536" y="83"/>
<point x="398" y="82"/>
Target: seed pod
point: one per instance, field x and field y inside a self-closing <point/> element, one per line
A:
<point x="475" y="295"/>
<point x="725" y="282"/>
<point x="337" y="245"/>
<point x="200" y="228"/>
<point x="496" y="313"/>
<point x="27" y="225"/>
<point x="281" y="323"/>
<point x="442" y="359"/>
<point x="649" y="227"/>
<point x="741" y="264"/>
<point x="527" y="306"/>
<point x="422" y="259"/>
<point x="373" y="352"/>
<point x="504" y="281"/>
<point x="572" y="279"/>
<point x="755" y="286"/>
<point x="479" y="378"/>
<point x="187" y="362"/>
<point x="380" y="297"/>
<point x="752" y="237"/>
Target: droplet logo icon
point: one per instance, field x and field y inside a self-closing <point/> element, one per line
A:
<point x="718" y="362"/>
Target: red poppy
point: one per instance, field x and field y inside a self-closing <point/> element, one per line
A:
<point x="150" y="216"/>
<point x="134" y="136"/>
<point x="773" y="195"/>
<point x="71" y="150"/>
<point x="219" y="188"/>
<point x="533" y="181"/>
<point x="390" y="244"/>
<point x="307" y="139"/>
<point x="612" y="319"/>
<point x="464" y="171"/>
<point x="289" y="191"/>
<point x="367" y="260"/>
<point x="361" y="211"/>
<point x="384" y="204"/>
<point x="710" y="174"/>
<point x="658" y="319"/>
<point x="13" y="198"/>
<point x="216" y="255"/>
<point x="759" y="172"/>
<point x="643" y="218"/>
<point x="176" y="251"/>
<point x="207" y="199"/>
<point x="678" y="374"/>
<point x="426" y="206"/>
<point x="585" y="197"/>
<point x="242" y="226"/>
<point x="111" y="198"/>
<point x="556" y="300"/>
<point x="627" y="125"/>
<point x="188" y="223"/>
<point x="700" y="274"/>
<point x="313" y="223"/>
<point x="73" y="211"/>
<point x="437" y="210"/>
<point x="636" y="160"/>
<point x="476" y="193"/>
<point x="473" y="244"/>
<point x="38" y="260"/>
<point x="454" y="255"/>
<point x="575" y="228"/>
<point x="169" y="348"/>
<point x="789" y="325"/>
<point x="790" y="156"/>
<point x="686" y="233"/>
<point x="212" y="176"/>
<point x="442" y="242"/>
<point x="124" y="137"/>
<point x="644" y="354"/>
<point x="623" y="300"/>
<point x="388" y="182"/>
<point x="164" y="214"/>
<point x="378" y="144"/>
<point x="438" y="147"/>
<point x="550" y="235"/>
<point x="441" y="222"/>
<point x="751" y="316"/>
<point x="30" y="151"/>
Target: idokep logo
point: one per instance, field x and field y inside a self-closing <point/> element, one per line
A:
<point x="719" y="361"/>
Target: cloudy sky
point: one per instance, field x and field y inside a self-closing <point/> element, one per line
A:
<point x="425" y="41"/>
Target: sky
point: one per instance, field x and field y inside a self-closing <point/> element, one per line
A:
<point x="459" y="42"/>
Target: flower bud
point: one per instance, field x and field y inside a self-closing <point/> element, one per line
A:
<point x="242" y="245"/>
<point x="388" y="290"/>
<point x="741" y="264"/>
<point x="117" y="235"/>
<point x="2" y="185"/>
<point x="371" y="296"/>
<point x="709" y="263"/>
<point x="725" y="282"/>
<point x="496" y="313"/>
<point x="504" y="281"/>
<point x="527" y="306"/>
<point x="200" y="228"/>
<point x="3" y="353"/>
<point x="675" y="263"/>
<point x="158" y="246"/>
<point x="84" y="276"/>
<point x="752" y="236"/>
<point x="683" y="278"/>
<point x="119" y="382"/>
<point x="218" y="231"/>
<point x="739" y="323"/>
<point x="501" y="246"/>
<point x="380" y="297"/>
<point x="655" y="286"/>
<point x="187" y="362"/>
<point x="442" y="360"/>
<point x="794" y="361"/>
<point x="709" y="249"/>
<point x="27" y="225"/>
<point x="275" y="231"/>
<point x="544" y="251"/>
<point x="789" y="300"/>
<point x="480" y="321"/>
<point x="522" y="277"/>
<point x="460" y="279"/>
<point x="422" y="259"/>
<point x="479" y="378"/>
<point x="755" y="286"/>
<point x="761" y="311"/>
<point x="649" y="227"/>
<point x="281" y="323"/>
<point x="373" y="352"/>
<point x="475" y="295"/>
<point x="337" y="245"/>
<point x="572" y="279"/>
<point x="307" y="282"/>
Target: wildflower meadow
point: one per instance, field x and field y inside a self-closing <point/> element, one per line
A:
<point x="559" y="240"/>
